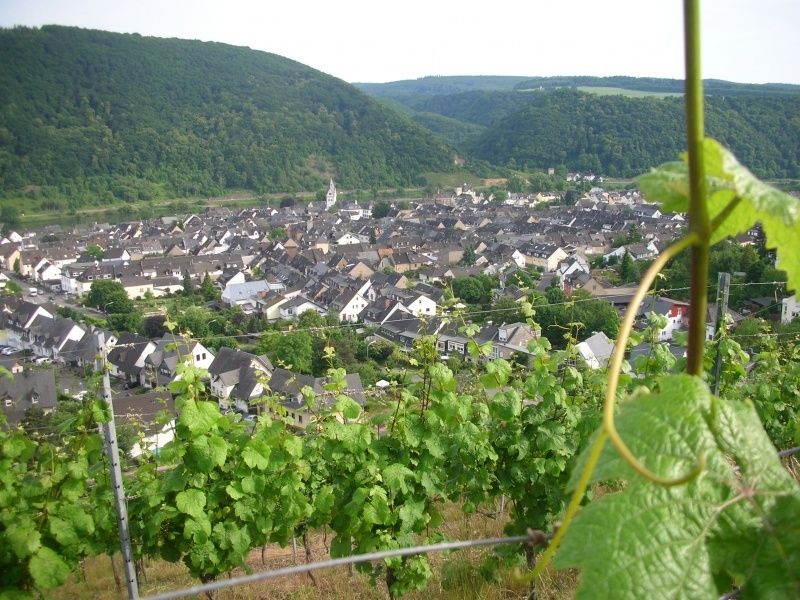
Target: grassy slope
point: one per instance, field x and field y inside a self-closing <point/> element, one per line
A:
<point x="617" y="91"/>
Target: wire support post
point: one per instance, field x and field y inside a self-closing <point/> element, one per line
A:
<point x="533" y="537"/>
<point x="723" y="292"/>
<point x="109" y="431"/>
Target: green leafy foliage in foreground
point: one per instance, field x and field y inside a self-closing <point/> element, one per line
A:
<point x="49" y="519"/>
<point x="738" y="523"/>
<point x="733" y="520"/>
<point x="756" y="202"/>
<point x="378" y="480"/>
<point x="92" y="116"/>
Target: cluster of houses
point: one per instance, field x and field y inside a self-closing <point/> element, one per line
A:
<point x="144" y="367"/>
<point x="343" y="262"/>
<point x="386" y="273"/>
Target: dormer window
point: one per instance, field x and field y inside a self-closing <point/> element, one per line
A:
<point x="8" y="402"/>
<point x="34" y="398"/>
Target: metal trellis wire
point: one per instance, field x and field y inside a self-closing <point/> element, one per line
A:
<point x="533" y="538"/>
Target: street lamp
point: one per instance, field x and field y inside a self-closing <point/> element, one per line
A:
<point x="370" y="342"/>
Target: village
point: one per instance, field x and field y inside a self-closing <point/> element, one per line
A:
<point x="385" y="275"/>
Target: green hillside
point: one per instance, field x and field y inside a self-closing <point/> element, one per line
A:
<point x="713" y="87"/>
<point x="96" y="117"/>
<point x="429" y="86"/>
<point x="620" y="126"/>
<point x="620" y="136"/>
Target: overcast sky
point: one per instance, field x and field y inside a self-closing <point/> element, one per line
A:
<point x="369" y="40"/>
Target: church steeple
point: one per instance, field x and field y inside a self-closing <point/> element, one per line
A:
<point x="330" y="197"/>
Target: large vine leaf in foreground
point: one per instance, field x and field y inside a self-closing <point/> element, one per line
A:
<point x="736" y="524"/>
<point x="726" y="179"/>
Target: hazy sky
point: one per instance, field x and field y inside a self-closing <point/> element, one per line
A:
<point x="371" y="40"/>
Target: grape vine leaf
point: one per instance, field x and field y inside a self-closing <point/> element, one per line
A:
<point x="735" y="523"/>
<point x="191" y="502"/>
<point x="47" y="569"/>
<point x="727" y="178"/>
<point x="23" y="538"/>
<point x="394" y="476"/>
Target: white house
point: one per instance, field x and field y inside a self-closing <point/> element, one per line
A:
<point x="596" y="350"/>
<point x="675" y="312"/>
<point x="790" y="309"/>
<point x="241" y="293"/>
<point x="44" y="270"/>
<point x="297" y="306"/>
<point x="161" y="365"/>
<point x="518" y="258"/>
<point x="422" y="306"/>
<point x="350" y="305"/>
<point x="574" y="264"/>
<point x="347" y="239"/>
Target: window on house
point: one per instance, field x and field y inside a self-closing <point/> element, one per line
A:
<point x="197" y="357"/>
<point x="299" y="418"/>
<point x="8" y="401"/>
<point x="204" y="355"/>
<point x="35" y="399"/>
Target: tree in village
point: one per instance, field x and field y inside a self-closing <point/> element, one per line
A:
<point x="380" y="209"/>
<point x="294" y="350"/>
<point x="469" y="257"/>
<point x="9" y="216"/>
<point x="596" y="315"/>
<point x="520" y="279"/>
<point x="627" y="270"/>
<point x="109" y="296"/>
<point x="208" y="290"/>
<point x="95" y="251"/>
<point x="467" y="290"/>
<point x="188" y="286"/>
<point x="195" y="319"/>
<point x="278" y="233"/>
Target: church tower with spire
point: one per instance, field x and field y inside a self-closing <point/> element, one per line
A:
<point x="330" y="197"/>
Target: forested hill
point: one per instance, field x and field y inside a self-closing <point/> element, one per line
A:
<point x="102" y="116"/>
<point x="432" y="85"/>
<point x="713" y="87"/>
<point x="619" y="136"/>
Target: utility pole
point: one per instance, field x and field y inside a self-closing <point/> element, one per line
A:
<point x="723" y="291"/>
<point x="109" y="431"/>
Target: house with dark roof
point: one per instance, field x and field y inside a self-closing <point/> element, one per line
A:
<point x="127" y="357"/>
<point x="238" y="378"/>
<point x="676" y="313"/>
<point x="161" y="365"/>
<point x="28" y="389"/>
<point x="289" y="385"/>
<point x="143" y="412"/>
